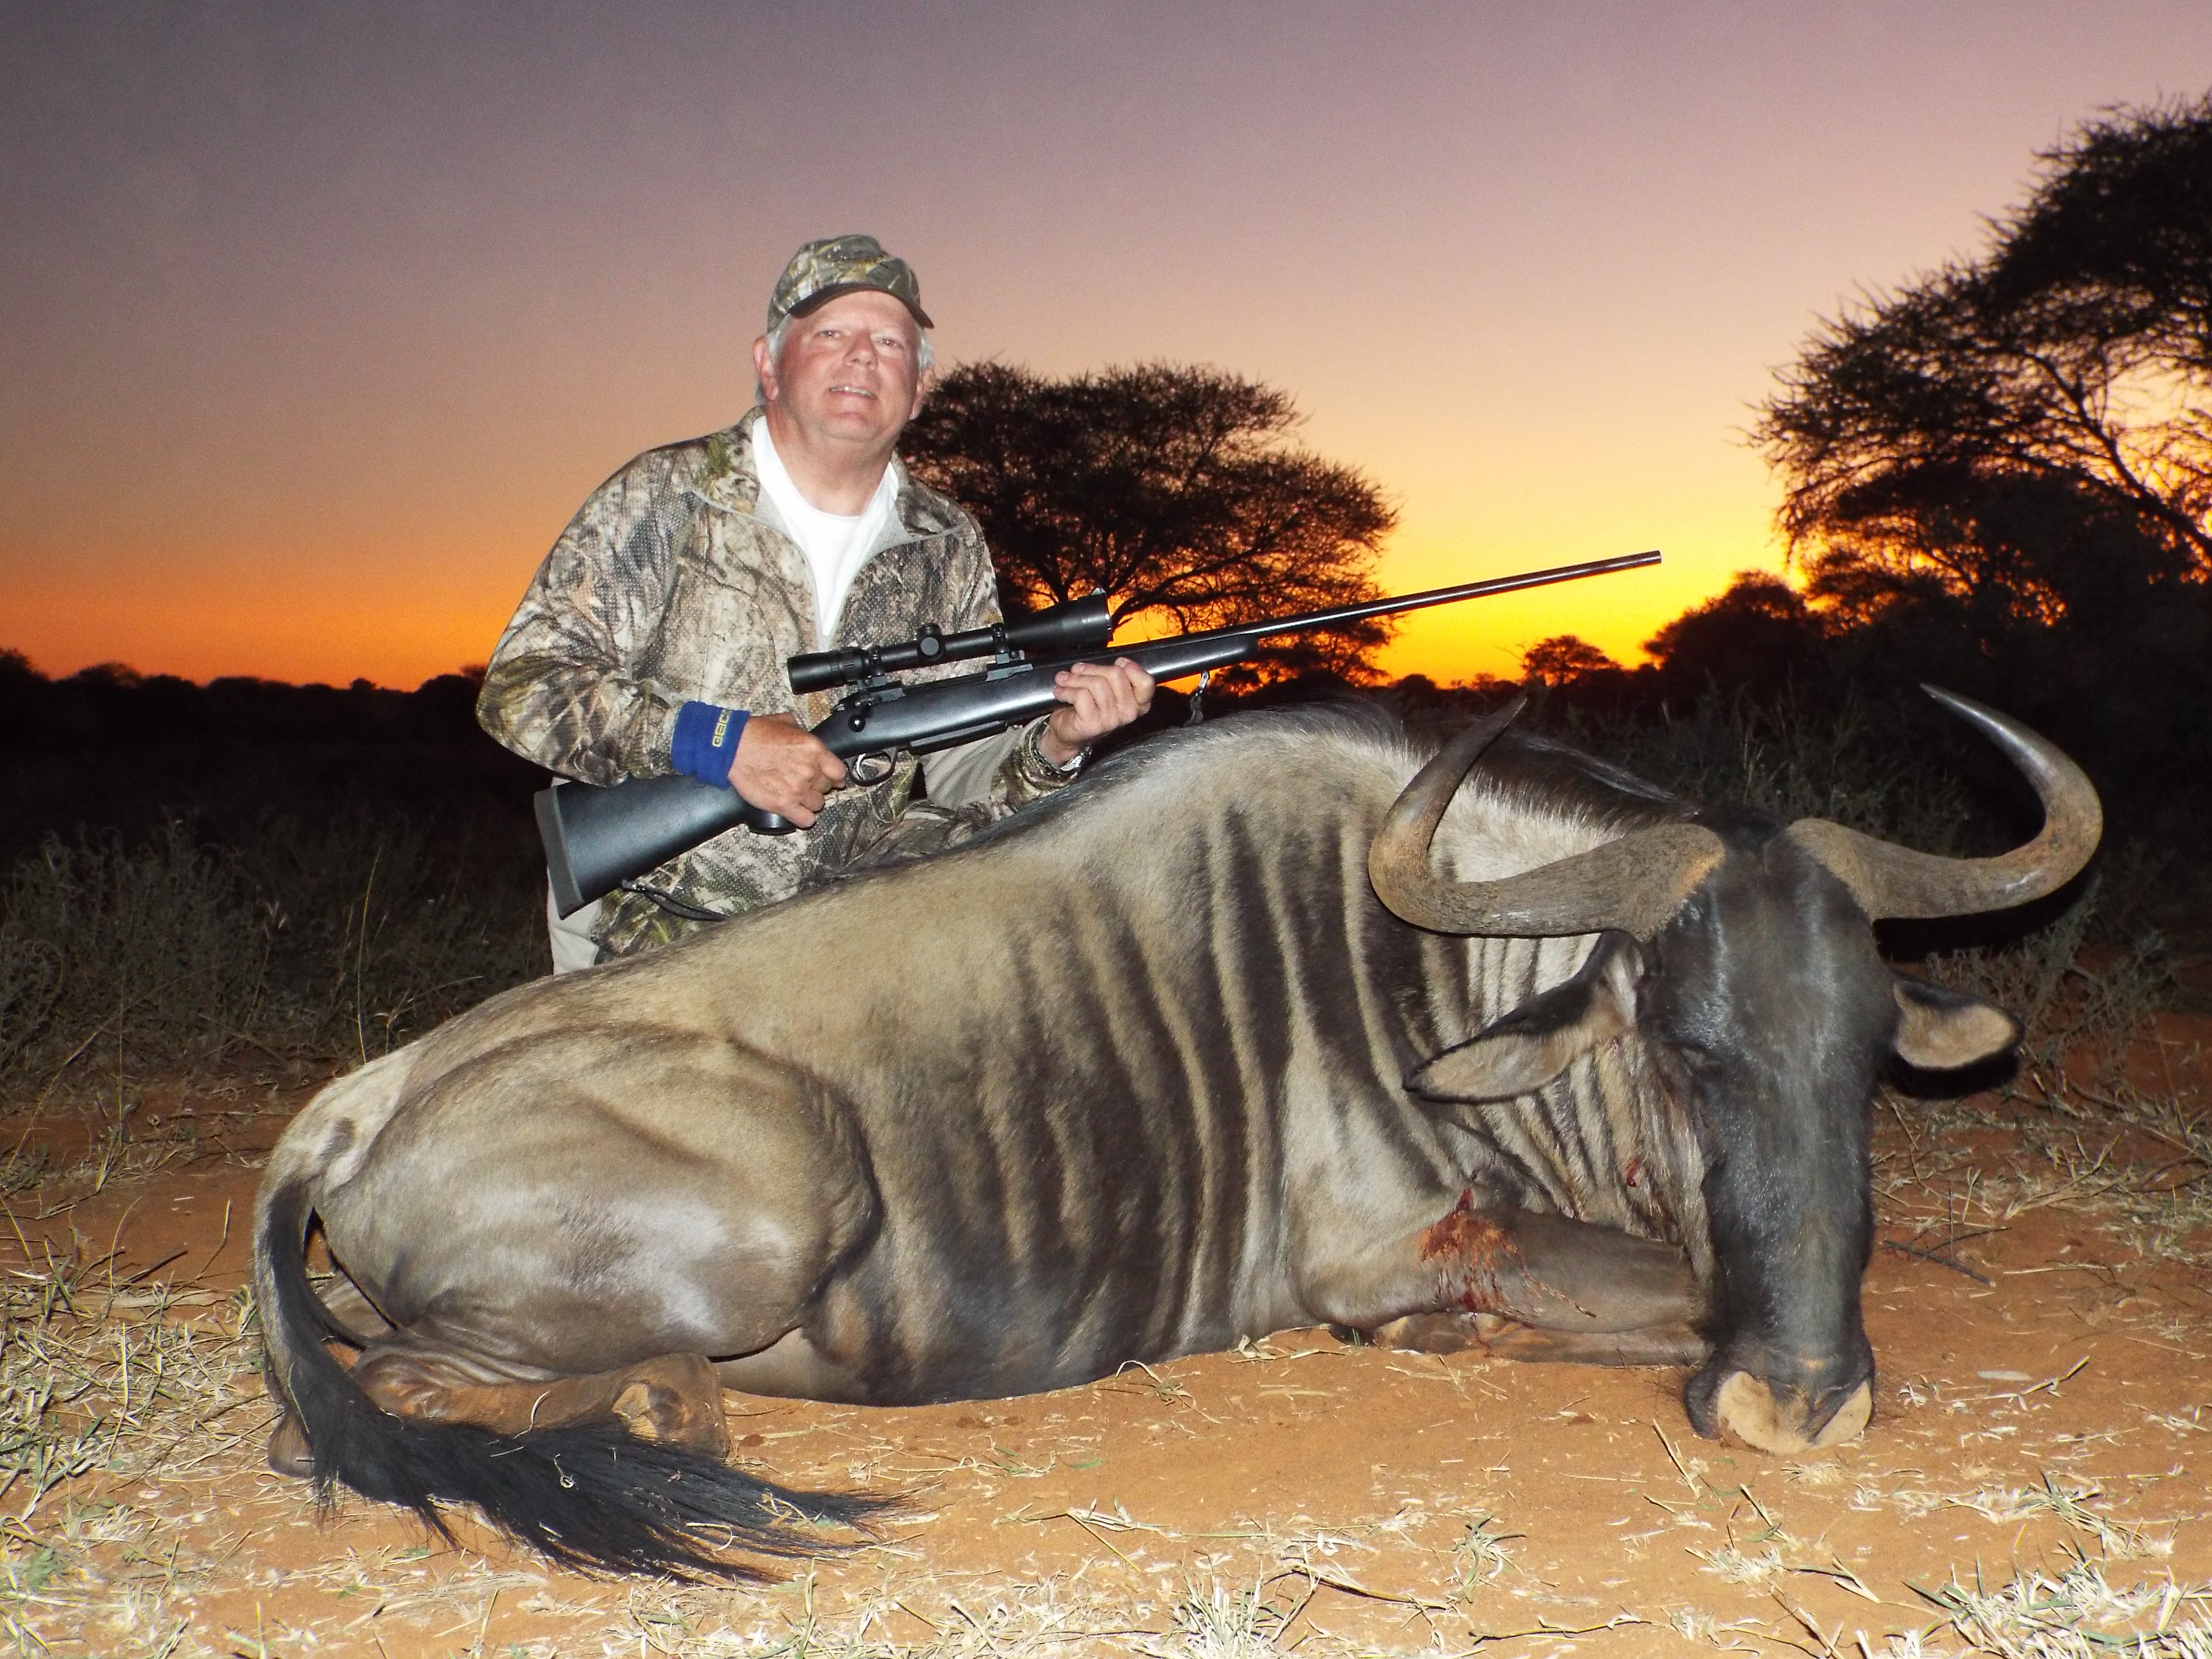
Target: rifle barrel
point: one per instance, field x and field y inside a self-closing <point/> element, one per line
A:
<point x="1313" y="620"/>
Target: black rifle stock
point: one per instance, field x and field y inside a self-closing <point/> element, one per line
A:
<point x="596" y="839"/>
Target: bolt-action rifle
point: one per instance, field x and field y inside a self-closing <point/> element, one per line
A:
<point x="596" y="839"/>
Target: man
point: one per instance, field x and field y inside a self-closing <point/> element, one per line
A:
<point x="653" y="637"/>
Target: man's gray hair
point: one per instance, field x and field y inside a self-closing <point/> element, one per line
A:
<point x="925" y="355"/>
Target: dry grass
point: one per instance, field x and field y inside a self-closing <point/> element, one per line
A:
<point x="2078" y="1612"/>
<point x="118" y="958"/>
<point x="1793" y="760"/>
<point x="2140" y="1166"/>
<point x="104" y="1381"/>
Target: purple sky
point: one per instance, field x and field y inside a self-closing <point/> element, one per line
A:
<point x="321" y="319"/>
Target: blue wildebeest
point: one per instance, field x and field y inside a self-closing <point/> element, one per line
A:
<point x="1144" y="1071"/>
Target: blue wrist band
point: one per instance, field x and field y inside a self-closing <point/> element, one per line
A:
<point x="706" y="742"/>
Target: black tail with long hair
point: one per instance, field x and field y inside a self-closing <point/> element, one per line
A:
<point x="590" y="1496"/>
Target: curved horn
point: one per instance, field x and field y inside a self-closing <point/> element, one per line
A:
<point x="1889" y="880"/>
<point x="1634" y="883"/>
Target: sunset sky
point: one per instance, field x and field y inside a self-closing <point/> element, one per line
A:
<point x="317" y="322"/>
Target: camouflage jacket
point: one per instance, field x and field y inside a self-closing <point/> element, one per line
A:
<point x="670" y="586"/>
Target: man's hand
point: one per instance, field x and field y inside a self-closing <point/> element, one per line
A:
<point x="782" y="767"/>
<point x="1099" y="699"/>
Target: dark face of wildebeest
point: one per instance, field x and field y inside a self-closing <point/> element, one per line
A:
<point x="1738" y="951"/>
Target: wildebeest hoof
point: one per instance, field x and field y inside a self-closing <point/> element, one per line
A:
<point x="400" y="1383"/>
<point x="1428" y="1332"/>
<point x="675" y="1399"/>
<point x="288" y="1452"/>
<point x="1747" y="1410"/>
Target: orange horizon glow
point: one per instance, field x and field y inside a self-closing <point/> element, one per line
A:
<point x="295" y="632"/>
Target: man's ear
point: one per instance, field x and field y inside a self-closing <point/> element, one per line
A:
<point x="764" y="369"/>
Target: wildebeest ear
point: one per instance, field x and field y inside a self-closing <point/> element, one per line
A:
<point x="1939" y="1029"/>
<point x="1529" y="1047"/>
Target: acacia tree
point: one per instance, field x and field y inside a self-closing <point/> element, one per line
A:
<point x="1174" y="489"/>
<point x="1759" y="633"/>
<point x="1562" y="658"/>
<point x="2029" y="433"/>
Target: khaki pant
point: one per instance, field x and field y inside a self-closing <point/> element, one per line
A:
<point x="574" y="946"/>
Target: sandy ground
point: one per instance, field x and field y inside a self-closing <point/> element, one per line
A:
<point x="2034" y="1480"/>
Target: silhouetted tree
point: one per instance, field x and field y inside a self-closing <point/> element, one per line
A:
<point x="1175" y="489"/>
<point x="1998" y="477"/>
<point x="1564" y="657"/>
<point x="1760" y="633"/>
<point x="2030" y="431"/>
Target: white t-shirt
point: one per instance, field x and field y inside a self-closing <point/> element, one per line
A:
<point x="835" y="546"/>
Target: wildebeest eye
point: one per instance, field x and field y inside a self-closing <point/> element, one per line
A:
<point x="1691" y="1061"/>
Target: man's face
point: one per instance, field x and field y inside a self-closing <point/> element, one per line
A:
<point x="850" y="372"/>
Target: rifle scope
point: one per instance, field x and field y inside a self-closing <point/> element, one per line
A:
<point x="1080" y="625"/>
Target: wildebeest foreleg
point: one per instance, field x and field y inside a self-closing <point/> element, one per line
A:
<point x="1525" y="1284"/>
<point x="1508" y="1339"/>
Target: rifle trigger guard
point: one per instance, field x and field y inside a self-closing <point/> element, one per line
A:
<point x="869" y="768"/>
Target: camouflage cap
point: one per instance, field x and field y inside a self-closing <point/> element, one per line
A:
<point x="823" y="270"/>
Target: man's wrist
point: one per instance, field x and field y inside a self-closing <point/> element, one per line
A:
<point x="705" y="741"/>
<point x="1041" y="740"/>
